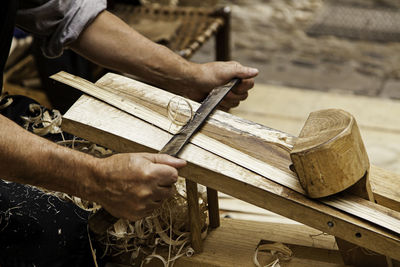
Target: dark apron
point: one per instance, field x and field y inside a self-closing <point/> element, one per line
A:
<point x="36" y="229"/>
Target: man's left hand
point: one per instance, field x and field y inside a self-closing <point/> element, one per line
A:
<point x="211" y="75"/>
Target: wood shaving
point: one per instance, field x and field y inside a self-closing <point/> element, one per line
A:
<point x="167" y="227"/>
<point x="7" y="103"/>
<point x="278" y="251"/>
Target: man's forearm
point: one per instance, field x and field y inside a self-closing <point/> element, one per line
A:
<point x="29" y="159"/>
<point x="110" y="42"/>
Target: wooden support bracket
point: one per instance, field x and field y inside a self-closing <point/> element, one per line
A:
<point x="213" y="207"/>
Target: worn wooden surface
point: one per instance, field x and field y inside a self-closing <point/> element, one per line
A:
<point x="244" y="135"/>
<point x="264" y="106"/>
<point x="194" y="215"/>
<point x="329" y="156"/>
<point x="213" y="208"/>
<point x="288" y="108"/>
<point x="234" y="243"/>
<point x="125" y="101"/>
<point x="91" y="119"/>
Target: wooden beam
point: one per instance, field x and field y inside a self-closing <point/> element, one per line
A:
<point x="256" y="140"/>
<point x="117" y="130"/>
<point x="126" y="98"/>
<point x="234" y="244"/>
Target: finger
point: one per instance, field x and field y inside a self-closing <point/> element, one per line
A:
<point x="225" y="105"/>
<point x="230" y="104"/>
<point x="165" y="159"/>
<point x="223" y="108"/>
<point x="244" y="86"/>
<point x="233" y="97"/>
<point x="162" y="194"/>
<point x="165" y="175"/>
<point x="235" y="69"/>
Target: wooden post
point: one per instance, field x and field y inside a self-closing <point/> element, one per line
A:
<point x="351" y="253"/>
<point x="223" y="36"/>
<point x="194" y="216"/>
<point x="213" y="207"/>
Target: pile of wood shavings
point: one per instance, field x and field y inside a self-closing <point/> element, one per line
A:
<point x="147" y="239"/>
<point x="163" y="236"/>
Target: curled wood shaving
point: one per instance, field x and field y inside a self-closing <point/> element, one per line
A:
<point x="43" y="123"/>
<point x="279" y="251"/>
<point x="7" y="103"/>
<point x="167" y="227"/>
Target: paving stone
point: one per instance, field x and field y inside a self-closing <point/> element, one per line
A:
<point x="391" y="89"/>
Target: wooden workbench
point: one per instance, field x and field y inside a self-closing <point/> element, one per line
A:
<point x="88" y="118"/>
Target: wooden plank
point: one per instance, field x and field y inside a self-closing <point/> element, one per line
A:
<point x="268" y="104"/>
<point x="234" y="243"/>
<point x="125" y="99"/>
<point x="91" y="119"/>
<point x="269" y="98"/>
<point x="259" y="141"/>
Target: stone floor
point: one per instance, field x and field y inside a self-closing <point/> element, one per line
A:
<point x="299" y="74"/>
<point x="271" y="35"/>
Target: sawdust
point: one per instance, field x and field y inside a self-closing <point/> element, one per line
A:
<point x="167" y="227"/>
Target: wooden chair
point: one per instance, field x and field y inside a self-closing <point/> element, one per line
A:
<point x="193" y="26"/>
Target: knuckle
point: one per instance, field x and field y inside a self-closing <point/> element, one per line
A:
<point x="235" y="104"/>
<point x="147" y="173"/>
<point x="244" y="96"/>
<point x="139" y="208"/>
<point x="144" y="194"/>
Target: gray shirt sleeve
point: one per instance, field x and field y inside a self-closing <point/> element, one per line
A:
<point x="57" y="23"/>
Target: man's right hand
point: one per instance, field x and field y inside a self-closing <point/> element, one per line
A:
<point x="131" y="186"/>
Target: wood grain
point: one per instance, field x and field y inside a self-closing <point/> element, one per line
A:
<point x="194" y="216"/>
<point x="234" y="243"/>
<point x="117" y="130"/>
<point x="256" y="140"/>
<point x="329" y="155"/>
<point x="122" y="100"/>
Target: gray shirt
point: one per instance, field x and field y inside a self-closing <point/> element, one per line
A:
<point x="57" y="23"/>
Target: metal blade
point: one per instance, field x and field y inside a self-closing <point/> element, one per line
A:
<point x="178" y="141"/>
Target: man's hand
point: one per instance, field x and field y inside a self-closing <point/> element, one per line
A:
<point x="111" y="43"/>
<point x="131" y="186"/>
<point x="211" y="75"/>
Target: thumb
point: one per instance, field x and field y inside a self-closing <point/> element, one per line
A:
<point x="165" y="159"/>
<point x="235" y="69"/>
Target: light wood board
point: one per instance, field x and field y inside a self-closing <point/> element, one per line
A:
<point x="129" y="93"/>
<point x="90" y="119"/>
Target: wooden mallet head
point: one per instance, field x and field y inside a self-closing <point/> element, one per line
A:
<point x="329" y="155"/>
